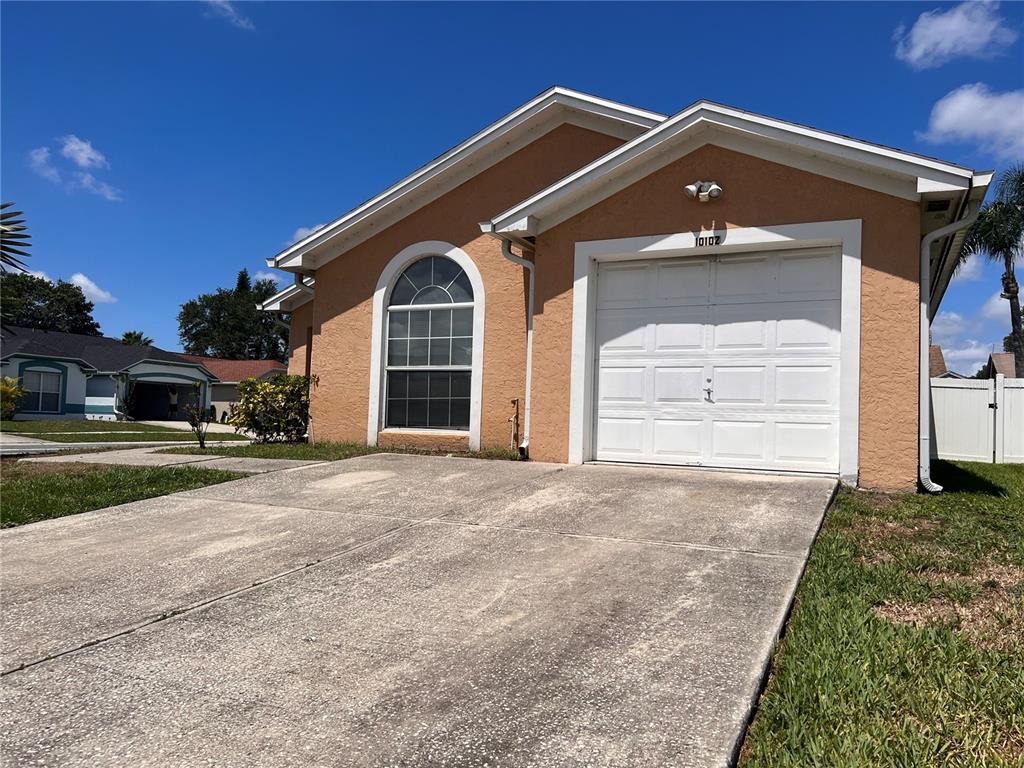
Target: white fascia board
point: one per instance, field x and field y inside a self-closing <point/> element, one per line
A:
<point x="291" y="257"/>
<point x="589" y="179"/>
<point x="275" y="302"/>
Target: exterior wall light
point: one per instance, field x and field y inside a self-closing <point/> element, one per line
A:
<point x="704" y="191"/>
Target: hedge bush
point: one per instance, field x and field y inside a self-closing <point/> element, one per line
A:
<point x="275" y="409"/>
<point x="10" y="393"/>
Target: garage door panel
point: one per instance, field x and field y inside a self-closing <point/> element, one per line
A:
<point x="687" y="280"/>
<point x="734" y="439"/>
<point x="761" y="330"/>
<point x="622" y="385"/>
<point x="806" y="385"/>
<point x="808" y="444"/>
<point x="678" y="438"/>
<point x="678" y="384"/>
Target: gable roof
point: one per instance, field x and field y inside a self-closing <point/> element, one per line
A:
<point x="896" y="172"/>
<point x="546" y="111"/>
<point x="1002" y="362"/>
<point x="96" y="353"/>
<point x="232" y="371"/>
<point x="936" y="361"/>
<point x="289" y="299"/>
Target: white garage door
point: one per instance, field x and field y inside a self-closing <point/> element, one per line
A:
<point x="729" y="361"/>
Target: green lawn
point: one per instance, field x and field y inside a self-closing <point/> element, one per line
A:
<point x="84" y="431"/>
<point x="39" y="491"/>
<point x="328" y="451"/>
<point x="906" y="643"/>
<point x="77" y="425"/>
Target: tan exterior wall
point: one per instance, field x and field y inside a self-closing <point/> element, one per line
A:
<point x="301" y="321"/>
<point x="342" y="308"/>
<point x="757" y="193"/>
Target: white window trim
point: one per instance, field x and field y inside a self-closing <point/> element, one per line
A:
<point x="846" y="234"/>
<point x="394" y="268"/>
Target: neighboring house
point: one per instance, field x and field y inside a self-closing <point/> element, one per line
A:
<point x="229" y="373"/>
<point x="713" y="289"/>
<point x="937" y="365"/>
<point x="1000" y="362"/>
<point x="73" y="376"/>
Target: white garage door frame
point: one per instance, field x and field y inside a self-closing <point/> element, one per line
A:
<point x="845" y="234"/>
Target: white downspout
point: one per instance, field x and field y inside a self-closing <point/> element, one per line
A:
<point x="506" y="251"/>
<point x="924" y="399"/>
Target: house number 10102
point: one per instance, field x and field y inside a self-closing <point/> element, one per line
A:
<point x="709" y="240"/>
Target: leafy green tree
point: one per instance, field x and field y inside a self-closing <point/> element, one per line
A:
<point x="136" y="339"/>
<point x="226" y="323"/>
<point x="998" y="235"/>
<point x="33" y="302"/>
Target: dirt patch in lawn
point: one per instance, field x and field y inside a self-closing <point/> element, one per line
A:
<point x="993" y="619"/>
<point x="12" y="469"/>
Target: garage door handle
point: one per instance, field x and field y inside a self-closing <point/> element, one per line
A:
<point x="708" y="390"/>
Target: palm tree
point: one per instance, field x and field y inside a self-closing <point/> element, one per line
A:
<point x="998" y="235"/>
<point x="14" y="239"/>
<point x="136" y="339"/>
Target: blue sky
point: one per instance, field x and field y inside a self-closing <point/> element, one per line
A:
<point x="157" y="148"/>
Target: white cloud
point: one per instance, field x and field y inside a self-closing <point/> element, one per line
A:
<point x="225" y="10"/>
<point x="947" y="327"/>
<point x="996" y="308"/>
<point x="92" y="291"/>
<point x="39" y="161"/>
<point x="82" y="153"/>
<point x="90" y="183"/>
<point x="974" y="114"/>
<point x="39" y="273"/>
<point x="303" y="232"/>
<point x="277" y="277"/>
<point x="971" y="269"/>
<point x="968" y="357"/>
<point x="971" y="29"/>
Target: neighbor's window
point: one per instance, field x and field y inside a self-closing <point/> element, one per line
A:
<point x="42" y="391"/>
<point x="430" y="346"/>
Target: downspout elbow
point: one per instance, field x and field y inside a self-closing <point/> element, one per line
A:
<point x="506" y="251"/>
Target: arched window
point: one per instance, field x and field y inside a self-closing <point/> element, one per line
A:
<point x="429" y="346"/>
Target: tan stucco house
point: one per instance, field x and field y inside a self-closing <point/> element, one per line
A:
<point x="600" y="282"/>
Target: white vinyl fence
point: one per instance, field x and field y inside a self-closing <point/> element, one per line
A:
<point x="978" y="419"/>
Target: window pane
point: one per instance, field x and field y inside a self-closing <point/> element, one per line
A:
<point x="398" y="352"/>
<point x="445" y="271"/>
<point x="460" y="413"/>
<point x="438" y="415"/>
<point x="396" y="413"/>
<point x="51" y="382"/>
<point x="30" y="380"/>
<point x="462" y="322"/>
<point x="440" y="323"/>
<point x="461" y="289"/>
<point x="403" y="292"/>
<point x="440" y="384"/>
<point x="419" y="350"/>
<point x="440" y="352"/>
<point x="50" y="401"/>
<point x="417" y="413"/>
<point x="432" y="295"/>
<point x="420" y="273"/>
<point x="460" y="384"/>
<point x="419" y="324"/>
<point x="398" y="325"/>
<point x="398" y="384"/>
<point x="418" y="384"/>
<point x="462" y="351"/>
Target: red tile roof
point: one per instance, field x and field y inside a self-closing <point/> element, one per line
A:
<point x="236" y="370"/>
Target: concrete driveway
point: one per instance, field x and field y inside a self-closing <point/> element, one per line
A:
<point x="404" y="611"/>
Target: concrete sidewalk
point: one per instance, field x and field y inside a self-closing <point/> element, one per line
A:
<point x="150" y="457"/>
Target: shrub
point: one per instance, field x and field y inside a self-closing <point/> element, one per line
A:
<point x="274" y="409"/>
<point x="10" y="393"/>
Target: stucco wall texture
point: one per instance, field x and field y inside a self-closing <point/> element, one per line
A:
<point x="342" y="307"/>
<point x="757" y="193"/>
<point x="300" y="323"/>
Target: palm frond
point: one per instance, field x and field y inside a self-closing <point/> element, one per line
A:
<point x="14" y="238"/>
